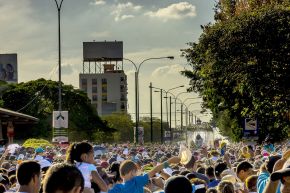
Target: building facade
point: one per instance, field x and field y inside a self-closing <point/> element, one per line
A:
<point x="107" y="90"/>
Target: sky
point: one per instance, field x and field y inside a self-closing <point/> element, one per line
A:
<point x="148" y="28"/>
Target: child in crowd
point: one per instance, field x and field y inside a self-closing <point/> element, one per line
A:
<point x="82" y="155"/>
<point x="134" y="183"/>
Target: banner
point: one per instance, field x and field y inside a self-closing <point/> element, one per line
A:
<point x="8" y="68"/>
<point x="140" y="134"/>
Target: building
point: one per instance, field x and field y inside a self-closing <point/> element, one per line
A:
<point x="107" y="90"/>
<point x="103" y="78"/>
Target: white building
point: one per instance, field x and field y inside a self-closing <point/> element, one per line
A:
<point x="107" y="90"/>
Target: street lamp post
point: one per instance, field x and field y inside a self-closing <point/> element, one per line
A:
<point x="58" y="5"/>
<point x="151" y="114"/>
<point x="166" y="93"/>
<point x="175" y="106"/>
<point x="161" y="115"/>
<point x="137" y="69"/>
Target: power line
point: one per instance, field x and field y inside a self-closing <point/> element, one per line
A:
<point x="39" y="92"/>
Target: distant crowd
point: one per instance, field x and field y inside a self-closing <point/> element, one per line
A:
<point x="126" y="168"/>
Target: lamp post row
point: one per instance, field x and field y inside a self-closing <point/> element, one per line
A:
<point x="137" y="104"/>
<point x="170" y="102"/>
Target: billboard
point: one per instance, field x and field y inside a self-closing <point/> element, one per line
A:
<point x="8" y="68"/>
<point x="103" y="51"/>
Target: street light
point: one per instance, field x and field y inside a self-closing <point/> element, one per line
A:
<point x="58" y="5"/>
<point x="161" y="115"/>
<point x="175" y="106"/>
<point x="137" y="69"/>
<point x="166" y="92"/>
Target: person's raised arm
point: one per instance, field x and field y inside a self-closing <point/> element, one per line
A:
<point x="157" y="169"/>
<point x="4" y="155"/>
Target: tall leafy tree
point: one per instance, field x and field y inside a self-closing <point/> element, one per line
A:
<point x="241" y="67"/>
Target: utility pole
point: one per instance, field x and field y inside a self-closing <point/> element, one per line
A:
<point x="171" y="134"/>
<point x="59" y="55"/>
<point x="151" y="109"/>
<point x="161" y="119"/>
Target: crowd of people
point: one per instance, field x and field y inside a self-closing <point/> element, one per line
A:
<point x="126" y="168"/>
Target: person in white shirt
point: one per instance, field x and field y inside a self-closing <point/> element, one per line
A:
<point x="82" y="155"/>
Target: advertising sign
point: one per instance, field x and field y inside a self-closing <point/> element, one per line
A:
<point x="103" y="51"/>
<point x="8" y="68"/>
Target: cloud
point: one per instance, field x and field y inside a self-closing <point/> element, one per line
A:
<point x="103" y="34"/>
<point x="174" y="11"/>
<point x="99" y="2"/>
<point x="67" y="69"/>
<point x="168" y="70"/>
<point x="128" y="8"/>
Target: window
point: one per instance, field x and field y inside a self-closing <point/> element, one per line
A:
<point x="104" y="98"/>
<point x="95" y="97"/>
<point x="84" y="81"/>
<point x="94" y="89"/>
<point x="104" y="89"/>
<point x="84" y="88"/>
<point x="94" y="81"/>
<point x="104" y="81"/>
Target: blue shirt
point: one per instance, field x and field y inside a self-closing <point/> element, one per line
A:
<point x="262" y="181"/>
<point x="213" y="183"/>
<point x="135" y="185"/>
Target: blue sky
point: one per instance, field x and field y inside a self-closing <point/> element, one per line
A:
<point x="148" y="28"/>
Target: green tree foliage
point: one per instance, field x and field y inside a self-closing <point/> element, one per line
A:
<point x="40" y="97"/>
<point x="124" y="127"/>
<point x="241" y="67"/>
<point x="123" y="124"/>
<point x="146" y="123"/>
<point x="226" y="9"/>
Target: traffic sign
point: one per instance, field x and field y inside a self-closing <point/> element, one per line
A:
<point x="60" y="119"/>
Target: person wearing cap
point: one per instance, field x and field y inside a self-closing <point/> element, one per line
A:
<point x="45" y="164"/>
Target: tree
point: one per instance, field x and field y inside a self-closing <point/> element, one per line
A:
<point x="241" y="68"/>
<point x="123" y="125"/>
<point x="40" y="97"/>
<point x="146" y="123"/>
